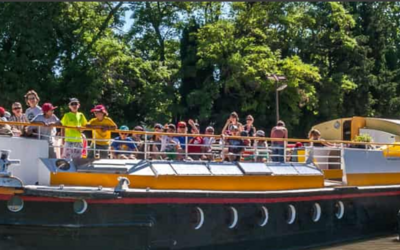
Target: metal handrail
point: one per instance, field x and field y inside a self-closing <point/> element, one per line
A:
<point x="133" y="132"/>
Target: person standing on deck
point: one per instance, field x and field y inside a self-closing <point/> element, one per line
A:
<point x="18" y="116"/>
<point x="73" y="138"/>
<point x="249" y="127"/>
<point x="279" y="131"/>
<point x="32" y="100"/>
<point x="102" y="134"/>
<point x="232" y="121"/>
<point x="46" y="133"/>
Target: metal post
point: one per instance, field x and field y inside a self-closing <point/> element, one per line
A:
<point x="186" y="146"/>
<point x="145" y="145"/>
<point x="284" y="151"/>
<point x="94" y="144"/>
<point x="223" y="148"/>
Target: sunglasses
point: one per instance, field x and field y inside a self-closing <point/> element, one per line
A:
<point x="31" y="98"/>
<point x="17" y="108"/>
<point x="157" y="128"/>
<point x="210" y="131"/>
<point x="182" y="127"/>
<point x="74" y="104"/>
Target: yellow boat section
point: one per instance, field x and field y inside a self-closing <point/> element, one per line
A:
<point x="222" y="183"/>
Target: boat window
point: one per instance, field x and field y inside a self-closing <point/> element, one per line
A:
<point x="80" y="206"/>
<point x="339" y="210"/>
<point x="197" y="218"/>
<point x="15" y="204"/>
<point x="290" y="214"/>
<point x="316" y="212"/>
<point x="264" y="216"/>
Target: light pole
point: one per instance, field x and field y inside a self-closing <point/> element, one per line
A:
<point x="277" y="90"/>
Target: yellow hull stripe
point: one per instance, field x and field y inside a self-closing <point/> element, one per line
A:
<point x="333" y="173"/>
<point x="373" y="179"/>
<point x="225" y="183"/>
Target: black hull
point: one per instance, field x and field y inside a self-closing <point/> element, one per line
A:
<point x="167" y="220"/>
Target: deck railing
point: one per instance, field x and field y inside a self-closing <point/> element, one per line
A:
<point x="248" y="149"/>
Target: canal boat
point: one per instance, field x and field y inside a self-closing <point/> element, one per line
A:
<point x="323" y="195"/>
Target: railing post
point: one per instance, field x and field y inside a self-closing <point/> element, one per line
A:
<point x="223" y="148"/>
<point x="145" y="146"/>
<point x="186" y="146"/>
<point x="284" y="150"/>
<point x="94" y="144"/>
<point x="255" y="150"/>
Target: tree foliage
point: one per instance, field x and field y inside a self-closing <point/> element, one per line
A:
<point x="203" y="60"/>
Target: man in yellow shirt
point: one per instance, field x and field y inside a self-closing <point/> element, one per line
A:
<point x="102" y="135"/>
<point x="73" y="138"/>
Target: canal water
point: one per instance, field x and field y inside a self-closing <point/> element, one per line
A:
<point x="383" y="243"/>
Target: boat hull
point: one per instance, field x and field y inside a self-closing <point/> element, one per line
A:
<point x="201" y="220"/>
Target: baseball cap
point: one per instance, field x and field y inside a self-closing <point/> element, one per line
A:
<point x="2" y="111"/>
<point x="47" y="107"/>
<point x="260" y="133"/>
<point x="171" y="126"/>
<point x="124" y="127"/>
<point x="210" y="128"/>
<point x="99" y="108"/>
<point x="139" y="128"/>
<point x="158" y="125"/>
<point x="73" y="99"/>
<point x="181" y="124"/>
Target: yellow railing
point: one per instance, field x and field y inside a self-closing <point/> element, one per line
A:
<point x="220" y="151"/>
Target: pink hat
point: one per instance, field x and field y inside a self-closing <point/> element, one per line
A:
<point x="47" y="107"/>
<point x="99" y="108"/>
<point x="2" y="111"/>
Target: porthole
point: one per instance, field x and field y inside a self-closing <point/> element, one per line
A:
<point x="316" y="212"/>
<point x="290" y="214"/>
<point x="264" y="216"/>
<point x="15" y="204"/>
<point x="80" y="206"/>
<point x="232" y="218"/>
<point x="339" y="210"/>
<point x="198" y="218"/>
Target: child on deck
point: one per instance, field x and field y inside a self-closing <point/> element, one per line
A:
<point x="102" y="134"/>
<point x="73" y="137"/>
<point x="123" y="146"/>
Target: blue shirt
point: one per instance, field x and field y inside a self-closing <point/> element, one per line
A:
<point x="181" y="140"/>
<point x="124" y="145"/>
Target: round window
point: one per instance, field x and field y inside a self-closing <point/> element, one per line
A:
<point x="316" y="212"/>
<point x="339" y="210"/>
<point x="15" y="204"/>
<point x="197" y="218"/>
<point x="290" y="214"/>
<point x="264" y="216"/>
<point x="80" y="206"/>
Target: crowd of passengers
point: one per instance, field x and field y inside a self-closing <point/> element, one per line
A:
<point x="130" y="145"/>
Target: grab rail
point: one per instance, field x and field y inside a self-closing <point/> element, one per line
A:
<point x="221" y="150"/>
